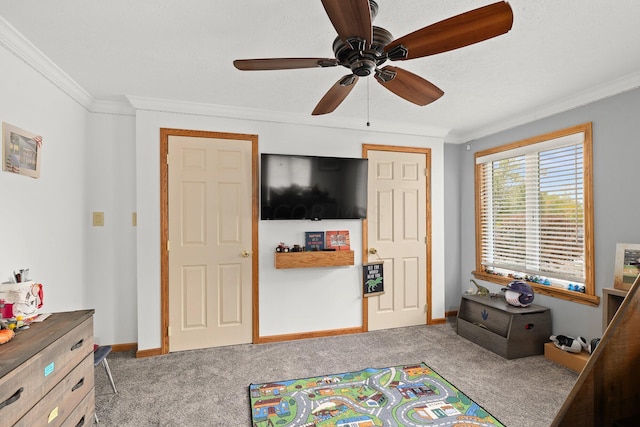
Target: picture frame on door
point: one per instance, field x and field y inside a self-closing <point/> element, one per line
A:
<point x="21" y="151"/>
<point x="372" y="279"/>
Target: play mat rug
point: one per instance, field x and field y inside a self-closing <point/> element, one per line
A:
<point x="412" y="395"/>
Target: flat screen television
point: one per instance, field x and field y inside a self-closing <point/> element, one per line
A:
<point x="312" y="187"/>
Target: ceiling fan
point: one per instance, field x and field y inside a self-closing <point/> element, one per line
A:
<point x="363" y="48"/>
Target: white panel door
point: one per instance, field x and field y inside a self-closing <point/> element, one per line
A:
<point x="210" y="270"/>
<point x="396" y="218"/>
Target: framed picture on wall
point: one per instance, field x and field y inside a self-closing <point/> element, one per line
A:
<point x="627" y="266"/>
<point x="20" y="151"/>
<point x="338" y="240"/>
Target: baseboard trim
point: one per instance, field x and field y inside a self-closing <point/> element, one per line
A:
<point x="149" y="353"/>
<point x="124" y="347"/>
<point x="278" y="338"/>
<point x="305" y="335"/>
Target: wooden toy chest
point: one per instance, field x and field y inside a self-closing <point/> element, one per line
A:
<point x="509" y="331"/>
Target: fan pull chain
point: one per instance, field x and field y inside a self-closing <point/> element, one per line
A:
<point x="368" y="123"/>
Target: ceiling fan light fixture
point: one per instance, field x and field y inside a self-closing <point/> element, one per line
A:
<point x="363" y="67"/>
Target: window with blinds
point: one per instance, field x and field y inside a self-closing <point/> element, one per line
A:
<point x="533" y="211"/>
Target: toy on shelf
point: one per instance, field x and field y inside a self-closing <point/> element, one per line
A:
<point x="590" y="346"/>
<point x="570" y="344"/>
<point x="282" y="248"/>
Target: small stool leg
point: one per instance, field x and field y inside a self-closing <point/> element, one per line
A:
<point x="106" y="368"/>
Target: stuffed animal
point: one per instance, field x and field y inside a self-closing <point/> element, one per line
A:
<point x="590" y="346"/>
<point x="566" y="343"/>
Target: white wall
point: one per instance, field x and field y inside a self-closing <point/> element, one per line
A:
<point x="286" y="296"/>
<point x="109" y="162"/>
<point x="111" y="249"/>
<point x="44" y="221"/>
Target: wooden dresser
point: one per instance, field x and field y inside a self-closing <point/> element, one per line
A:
<point x="46" y="373"/>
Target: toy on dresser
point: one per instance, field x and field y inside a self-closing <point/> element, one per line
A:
<point x="25" y="298"/>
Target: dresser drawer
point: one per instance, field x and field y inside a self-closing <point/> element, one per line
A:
<point x="59" y="403"/>
<point x="24" y="386"/>
<point x="84" y="412"/>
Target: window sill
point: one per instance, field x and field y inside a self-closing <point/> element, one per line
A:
<point x="572" y="296"/>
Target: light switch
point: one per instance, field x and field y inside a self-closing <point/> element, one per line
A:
<point x="98" y="219"/>
<point x="134" y="218"/>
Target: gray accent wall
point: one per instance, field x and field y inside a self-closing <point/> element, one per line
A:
<point x="453" y="154"/>
<point x="616" y="155"/>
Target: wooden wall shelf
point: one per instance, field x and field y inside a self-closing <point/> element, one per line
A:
<point x="313" y="259"/>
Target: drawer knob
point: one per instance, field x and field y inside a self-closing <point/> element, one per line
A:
<point x="13" y="398"/>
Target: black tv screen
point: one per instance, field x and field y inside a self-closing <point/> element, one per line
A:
<point x="312" y="187"/>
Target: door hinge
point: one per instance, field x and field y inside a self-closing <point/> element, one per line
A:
<point x="168" y="331"/>
<point x="168" y="245"/>
<point x="167" y="158"/>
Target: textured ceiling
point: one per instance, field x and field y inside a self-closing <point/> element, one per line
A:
<point x="557" y="53"/>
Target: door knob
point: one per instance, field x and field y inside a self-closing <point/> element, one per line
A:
<point x="373" y="251"/>
<point x="245" y="254"/>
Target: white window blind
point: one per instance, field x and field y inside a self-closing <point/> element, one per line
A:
<point x="532" y="211"/>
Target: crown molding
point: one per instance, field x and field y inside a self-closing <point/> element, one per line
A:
<point x="122" y="108"/>
<point x="22" y="48"/>
<point x="597" y="93"/>
<point x="213" y="110"/>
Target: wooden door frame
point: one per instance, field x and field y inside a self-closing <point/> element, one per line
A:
<point x="165" y="133"/>
<point x="365" y="225"/>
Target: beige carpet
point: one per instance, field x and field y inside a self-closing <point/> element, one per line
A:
<point x="202" y="387"/>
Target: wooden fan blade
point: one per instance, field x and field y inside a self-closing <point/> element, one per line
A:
<point x="283" y="63"/>
<point x="407" y="85"/>
<point x="351" y="19"/>
<point x="459" y="31"/>
<point x="335" y="95"/>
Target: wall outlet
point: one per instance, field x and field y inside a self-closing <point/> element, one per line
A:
<point x="98" y="219"/>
